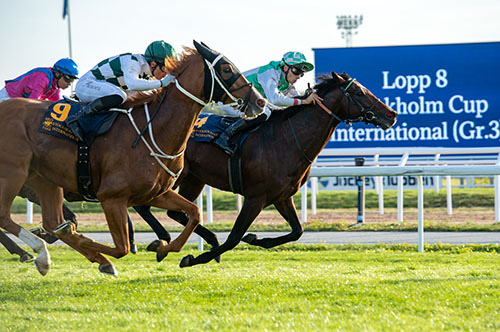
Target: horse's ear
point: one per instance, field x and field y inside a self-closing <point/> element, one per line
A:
<point x="205" y="51"/>
<point x="336" y="77"/>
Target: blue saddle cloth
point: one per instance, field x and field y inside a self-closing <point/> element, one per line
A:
<point x="210" y="126"/>
<point x="92" y="125"/>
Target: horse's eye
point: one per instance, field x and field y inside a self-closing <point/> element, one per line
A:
<point x="227" y="70"/>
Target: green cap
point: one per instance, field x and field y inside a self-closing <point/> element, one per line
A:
<point x="158" y="51"/>
<point x="297" y="59"/>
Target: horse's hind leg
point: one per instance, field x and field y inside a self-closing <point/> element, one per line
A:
<point x="13" y="173"/>
<point x="287" y="210"/>
<point x="249" y="211"/>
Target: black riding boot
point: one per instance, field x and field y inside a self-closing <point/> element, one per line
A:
<point x="224" y="139"/>
<point x="94" y="107"/>
<point x="72" y="121"/>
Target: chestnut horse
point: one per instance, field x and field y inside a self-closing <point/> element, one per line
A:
<point x="275" y="162"/>
<point x="122" y="175"/>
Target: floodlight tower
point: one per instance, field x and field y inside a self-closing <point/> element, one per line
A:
<point x="349" y="24"/>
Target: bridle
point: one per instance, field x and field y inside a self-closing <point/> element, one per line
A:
<point x="367" y="114"/>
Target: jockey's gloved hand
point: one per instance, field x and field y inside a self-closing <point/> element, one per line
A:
<point x="167" y="80"/>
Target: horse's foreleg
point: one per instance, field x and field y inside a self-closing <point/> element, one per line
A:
<point x="173" y="201"/>
<point x="287" y="210"/>
<point x="13" y="248"/>
<point x="249" y="211"/>
<point x="51" y="202"/>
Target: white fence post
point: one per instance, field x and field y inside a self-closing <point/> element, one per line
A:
<point x="210" y="205"/>
<point x="303" y="200"/>
<point x="449" y="201"/>
<point x="420" y="194"/>
<point x="314" y="192"/>
<point x="403" y="161"/>
<point x="29" y="212"/>
<point x="199" y="202"/>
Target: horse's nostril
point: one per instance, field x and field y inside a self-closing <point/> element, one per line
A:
<point x="261" y="102"/>
<point x="389" y="114"/>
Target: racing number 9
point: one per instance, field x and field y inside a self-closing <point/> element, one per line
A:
<point x="60" y="111"/>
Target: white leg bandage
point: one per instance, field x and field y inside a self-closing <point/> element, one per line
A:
<point x="33" y="241"/>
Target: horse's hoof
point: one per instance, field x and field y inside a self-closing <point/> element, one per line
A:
<point x="186" y="261"/>
<point x="26" y="258"/>
<point x="218" y="259"/>
<point x="64" y="228"/>
<point x="49" y="238"/>
<point x="133" y="248"/>
<point x="249" y="238"/>
<point x="160" y="257"/>
<point x="153" y="246"/>
<point x="41" y="267"/>
<point x="108" y="269"/>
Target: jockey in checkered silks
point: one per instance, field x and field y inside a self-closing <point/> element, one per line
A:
<point x="275" y="81"/>
<point x="106" y="85"/>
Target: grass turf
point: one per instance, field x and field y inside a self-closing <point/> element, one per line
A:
<point x="293" y="288"/>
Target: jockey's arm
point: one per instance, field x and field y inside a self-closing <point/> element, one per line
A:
<point x="131" y="77"/>
<point x="270" y="86"/>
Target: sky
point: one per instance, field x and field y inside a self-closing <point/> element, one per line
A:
<point x="249" y="33"/>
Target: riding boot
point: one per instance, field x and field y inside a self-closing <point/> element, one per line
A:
<point x="224" y="139"/>
<point x="72" y="121"/>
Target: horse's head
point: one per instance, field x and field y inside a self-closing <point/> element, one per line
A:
<point x="224" y="81"/>
<point x="360" y="104"/>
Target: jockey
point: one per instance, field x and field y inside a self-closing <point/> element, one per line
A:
<point x="275" y="81"/>
<point x="42" y="83"/>
<point x="106" y="85"/>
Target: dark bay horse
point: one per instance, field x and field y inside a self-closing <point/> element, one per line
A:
<point x="275" y="161"/>
<point x="122" y="176"/>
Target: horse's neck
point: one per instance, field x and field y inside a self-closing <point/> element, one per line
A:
<point x="313" y="128"/>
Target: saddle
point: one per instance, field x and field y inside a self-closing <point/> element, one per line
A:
<point x="92" y="125"/>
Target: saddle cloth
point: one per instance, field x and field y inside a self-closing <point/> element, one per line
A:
<point x="210" y="126"/>
<point x="92" y="125"/>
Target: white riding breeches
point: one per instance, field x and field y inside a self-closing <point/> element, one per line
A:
<point x="89" y="89"/>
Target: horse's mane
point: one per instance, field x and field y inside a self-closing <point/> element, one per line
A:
<point x="175" y="66"/>
<point x="326" y="84"/>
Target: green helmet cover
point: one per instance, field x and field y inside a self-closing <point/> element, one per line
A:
<point x="297" y="59"/>
<point x="158" y="51"/>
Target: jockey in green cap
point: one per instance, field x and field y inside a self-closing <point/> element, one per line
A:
<point x="275" y="81"/>
<point x="106" y="85"/>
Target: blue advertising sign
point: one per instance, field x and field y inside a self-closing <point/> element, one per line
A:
<point x="445" y="95"/>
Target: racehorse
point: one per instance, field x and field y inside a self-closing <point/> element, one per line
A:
<point x="122" y="175"/>
<point x="275" y="162"/>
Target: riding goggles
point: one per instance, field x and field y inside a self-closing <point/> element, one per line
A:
<point x="298" y="70"/>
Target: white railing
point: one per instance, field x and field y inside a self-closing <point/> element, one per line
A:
<point x="418" y="171"/>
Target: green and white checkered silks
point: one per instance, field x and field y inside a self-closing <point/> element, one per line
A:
<point x="296" y="58"/>
<point x="110" y="70"/>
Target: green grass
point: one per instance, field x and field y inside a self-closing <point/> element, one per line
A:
<point x="294" y="288"/>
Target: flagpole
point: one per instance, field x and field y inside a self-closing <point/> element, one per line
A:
<point x="69" y="29"/>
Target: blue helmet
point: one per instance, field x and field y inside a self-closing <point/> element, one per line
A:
<point x="66" y="66"/>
